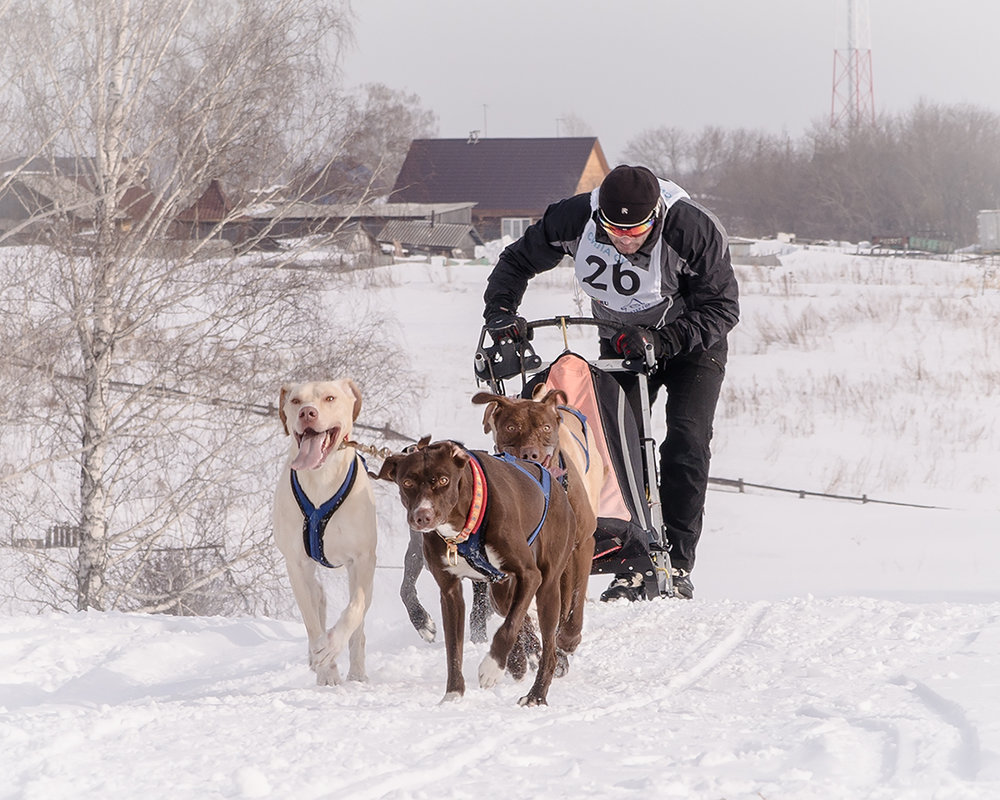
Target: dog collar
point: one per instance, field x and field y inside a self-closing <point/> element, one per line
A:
<point x="477" y="510"/>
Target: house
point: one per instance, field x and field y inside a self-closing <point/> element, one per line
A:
<point x="450" y="239"/>
<point x="431" y="228"/>
<point x="37" y="194"/>
<point x="207" y="215"/>
<point x="511" y="181"/>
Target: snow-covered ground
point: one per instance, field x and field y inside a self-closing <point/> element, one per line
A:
<point x="834" y="649"/>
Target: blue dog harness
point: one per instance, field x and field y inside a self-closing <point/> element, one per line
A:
<point x="583" y="421"/>
<point x="469" y="544"/>
<point x="545" y="483"/>
<point x="314" y="519"/>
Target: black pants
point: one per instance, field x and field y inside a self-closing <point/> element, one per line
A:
<point x="692" y="383"/>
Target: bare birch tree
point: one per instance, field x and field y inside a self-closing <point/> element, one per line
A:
<point x="146" y="374"/>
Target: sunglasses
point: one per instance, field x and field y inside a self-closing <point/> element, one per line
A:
<point x="632" y="231"/>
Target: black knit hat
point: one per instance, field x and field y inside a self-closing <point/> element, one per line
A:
<point x="628" y="195"/>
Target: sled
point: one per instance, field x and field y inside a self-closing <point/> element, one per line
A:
<point x="613" y="396"/>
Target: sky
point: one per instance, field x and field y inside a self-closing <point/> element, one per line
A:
<point x="515" y="68"/>
<point x="833" y="650"/>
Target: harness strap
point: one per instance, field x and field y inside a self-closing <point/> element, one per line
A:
<point x="314" y="519"/>
<point x="583" y="421"/>
<point x="472" y="551"/>
<point x="563" y="473"/>
<point x="545" y="482"/>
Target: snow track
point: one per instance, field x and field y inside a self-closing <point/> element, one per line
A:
<point x="804" y="698"/>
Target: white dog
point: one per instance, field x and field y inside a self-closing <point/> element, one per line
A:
<point x="324" y="514"/>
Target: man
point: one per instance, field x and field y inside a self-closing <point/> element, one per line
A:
<point x="656" y="261"/>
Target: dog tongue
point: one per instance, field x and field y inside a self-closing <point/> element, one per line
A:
<point x="311" y="451"/>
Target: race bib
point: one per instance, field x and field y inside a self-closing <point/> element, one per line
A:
<point x="609" y="277"/>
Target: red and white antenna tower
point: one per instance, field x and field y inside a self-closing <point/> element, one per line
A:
<point x="853" y="97"/>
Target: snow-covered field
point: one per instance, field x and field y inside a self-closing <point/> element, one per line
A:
<point x="834" y="649"/>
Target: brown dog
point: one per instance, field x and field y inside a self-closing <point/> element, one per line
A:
<point x="543" y="430"/>
<point x="477" y="514"/>
<point x="318" y="416"/>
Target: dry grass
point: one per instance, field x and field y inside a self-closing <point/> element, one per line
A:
<point x="865" y="375"/>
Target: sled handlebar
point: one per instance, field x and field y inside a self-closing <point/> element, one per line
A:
<point x="508" y="357"/>
<point x="614" y="327"/>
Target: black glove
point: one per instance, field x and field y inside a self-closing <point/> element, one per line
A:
<point x="631" y="342"/>
<point x="504" y="324"/>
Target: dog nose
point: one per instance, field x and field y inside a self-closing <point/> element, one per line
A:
<point x="308" y="413"/>
<point x="422" y="518"/>
<point x="531" y="454"/>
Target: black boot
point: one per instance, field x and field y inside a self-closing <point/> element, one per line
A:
<point x="682" y="583"/>
<point x="627" y="585"/>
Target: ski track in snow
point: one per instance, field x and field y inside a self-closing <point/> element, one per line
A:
<point x="792" y="698"/>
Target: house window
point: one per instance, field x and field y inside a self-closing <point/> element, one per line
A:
<point x="514" y="226"/>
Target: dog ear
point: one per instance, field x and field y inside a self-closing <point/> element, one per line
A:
<point x="553" y="397"/>
<point x="389" y="469"/>
<point x="459" y="455"/>
<point x="539" y="390"/>
<point x="281" y="408"/>
<point x="488" y="413"/>
<point x="483" y="397"/>
<point x="493" y="401"/>
<point x="420" y="445"/>
<point x="357" y="396"/>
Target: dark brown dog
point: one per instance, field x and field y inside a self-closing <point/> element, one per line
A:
<point x="531" y="429"/>
<point x="437" y="486"/>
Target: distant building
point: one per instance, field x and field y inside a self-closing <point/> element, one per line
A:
<point x="38" y="194"/>
<point x="429" y="228"/>
<point x="988" y="227"/>
<point x="511" y="181"/>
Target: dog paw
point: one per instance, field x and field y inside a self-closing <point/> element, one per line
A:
<point x="358" y="676"/>
<point x="428" y="631"/>
<point x="327" y="675"/>
<point x="451" y="697"/>
<point x="530" y="700"/>
<point x="489" y="672"/>
<point x="562" y="664"/>
<point x="421" y="621"/>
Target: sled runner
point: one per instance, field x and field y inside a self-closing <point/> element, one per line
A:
<point x="613" y="396"/>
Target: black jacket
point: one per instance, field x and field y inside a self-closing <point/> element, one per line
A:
<point x="700" y="296"/>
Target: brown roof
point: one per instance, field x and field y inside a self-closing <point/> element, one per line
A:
<point x="212" y="206"/>
<point x="500" y="175"/>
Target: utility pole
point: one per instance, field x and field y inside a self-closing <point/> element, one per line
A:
<point x="853" y="102"/>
